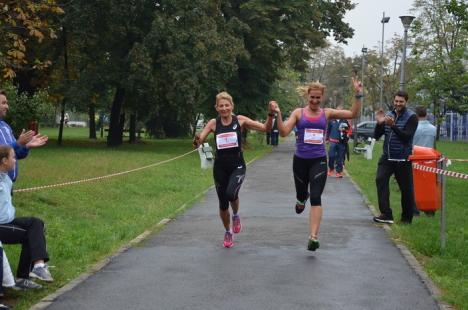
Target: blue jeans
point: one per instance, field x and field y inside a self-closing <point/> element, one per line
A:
<point x="336" y="154"/>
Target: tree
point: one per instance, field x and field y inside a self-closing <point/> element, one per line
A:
<point x="441" y="37"/>
<point x="22" y="24"/>
<point x="279" y="33"/>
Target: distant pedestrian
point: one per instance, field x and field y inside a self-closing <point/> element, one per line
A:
<point x="274" y="132"/>
<point x="337" y="136"/>
<point x="310" y="160"/>
<point x="229" y="166"/>
<point x="398" y="126"/>
<point x="425" y="134"/>
<point x="27" y="231"/>
<point x="66" y="119"/>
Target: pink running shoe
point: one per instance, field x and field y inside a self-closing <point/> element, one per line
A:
<point x="236" y="224"/>
<point x="228" y="240"/>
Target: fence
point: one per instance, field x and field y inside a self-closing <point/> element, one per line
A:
<point x="454" y="127"/>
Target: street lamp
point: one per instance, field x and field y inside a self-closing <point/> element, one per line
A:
<point x="385" y="19"/>
<point x="357" y="119"/>
<point x="406" y="20"/>
<point x="345" y="79"/>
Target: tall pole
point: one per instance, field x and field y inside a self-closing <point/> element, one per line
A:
<point x="356" y="120"/>
<point x="385" y="19"/>
<point x="406" y="20"/>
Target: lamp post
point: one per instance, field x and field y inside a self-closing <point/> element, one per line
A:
<point x="357" y="119"/>
<point x="345" y="78"/>
<point x="406" y="20"/>
<point x="385" y="19"/>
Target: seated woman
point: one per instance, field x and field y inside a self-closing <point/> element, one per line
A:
<point x="28" y="231"/>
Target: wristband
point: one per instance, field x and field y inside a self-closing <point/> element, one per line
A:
<point x="271" y="114"/>
<point x="359" y="95"/>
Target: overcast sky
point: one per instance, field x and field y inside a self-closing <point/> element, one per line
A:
<point x="365" y="19"/>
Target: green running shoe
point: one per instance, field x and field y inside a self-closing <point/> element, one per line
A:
<point x="313" y="245"/>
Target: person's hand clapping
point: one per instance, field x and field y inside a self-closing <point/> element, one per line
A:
<point x="37" y="141"/>
<point x="25" y="137"/>
<point x="389" y="120"/>
<point x="380" y="116"/>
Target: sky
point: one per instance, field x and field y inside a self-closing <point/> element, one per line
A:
<point x="365" y="19"/>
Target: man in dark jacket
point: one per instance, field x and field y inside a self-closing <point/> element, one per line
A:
<point x="398" y="126"/>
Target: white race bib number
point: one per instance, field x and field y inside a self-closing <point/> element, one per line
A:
<point x="226" y="140"/>
<point x="313" y="136"/>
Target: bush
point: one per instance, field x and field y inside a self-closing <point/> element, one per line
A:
<point x="23" y="108"/>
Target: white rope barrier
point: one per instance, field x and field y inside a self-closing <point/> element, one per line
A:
<point x="22" y="190"/>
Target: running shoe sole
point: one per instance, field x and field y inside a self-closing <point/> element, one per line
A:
<point x="382" y="221"/>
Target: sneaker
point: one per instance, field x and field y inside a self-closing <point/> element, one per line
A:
<point x="4" y="307"/>
<point x="383" y="219"/>
<point x="330" y="172"/>
<point x="236" y="224"/>
<point x="228" y="240"/>
<point x="339" y="174"/>
<point x="300" y="205"/>
<point x="41" y="273"/>
<point x="26" y="284"/>
<point x="313" y="244"/>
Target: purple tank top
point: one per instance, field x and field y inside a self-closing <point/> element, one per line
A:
<point x="310" y="142"/>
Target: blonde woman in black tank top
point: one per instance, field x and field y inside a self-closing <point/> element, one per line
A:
<point x="229" y="166"/>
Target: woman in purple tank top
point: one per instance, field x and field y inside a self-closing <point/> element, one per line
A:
<point x="310" y="161"/>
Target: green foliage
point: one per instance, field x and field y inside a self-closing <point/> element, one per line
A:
<point x="280" y="33"/>
<point x="23" y="108"/>
<point x="441" y="37"/>
<point x="284" y="91"/>
<point x="164" y="61"/>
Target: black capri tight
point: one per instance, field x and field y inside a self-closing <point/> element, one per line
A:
<point x="311" y="171"/>
<point x="228" y="173"/>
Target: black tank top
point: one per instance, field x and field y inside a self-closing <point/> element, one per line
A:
<point x="228" y="139"/>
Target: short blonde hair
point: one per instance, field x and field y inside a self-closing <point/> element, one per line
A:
<point x="304" y="90"/>
<point x="224" y="95"/>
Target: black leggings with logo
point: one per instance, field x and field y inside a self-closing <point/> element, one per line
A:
<point x="313" y="172"/>
<point x="228" y="173"/>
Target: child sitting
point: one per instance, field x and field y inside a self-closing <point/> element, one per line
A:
<point x="29" y="231"/>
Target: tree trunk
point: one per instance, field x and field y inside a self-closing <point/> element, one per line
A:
<point x="132" y="129"/>
<point x="114" y="138"/>
<point x="62" y="116"/>
<point x="92" y="121"/>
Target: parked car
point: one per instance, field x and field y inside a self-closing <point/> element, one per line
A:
<point x="365" y="130"/>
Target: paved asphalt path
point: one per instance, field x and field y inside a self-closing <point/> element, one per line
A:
<point x="184" y="266"/>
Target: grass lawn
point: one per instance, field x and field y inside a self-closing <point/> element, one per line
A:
<point x="85" y="222"/>
<point x="448" y="268"/>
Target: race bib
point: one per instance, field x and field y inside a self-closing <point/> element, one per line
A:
<point x="226" y="140"/>
<point x="313" y="136"/>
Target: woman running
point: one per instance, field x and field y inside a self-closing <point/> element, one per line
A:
<point x="310" y="161"/>
<point x="229" y="166"/>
